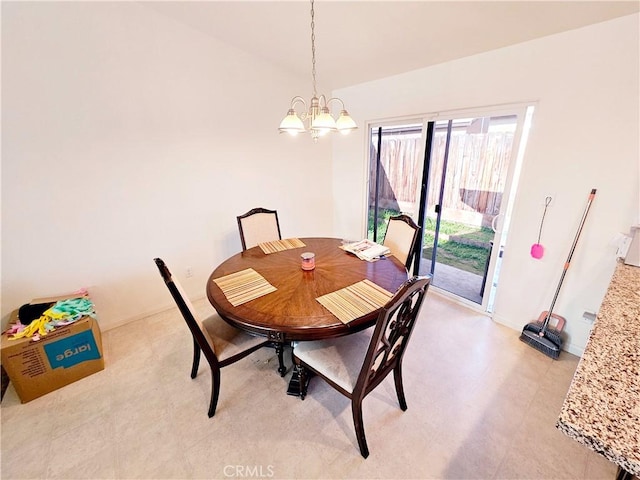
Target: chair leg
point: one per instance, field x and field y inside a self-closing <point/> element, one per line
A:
<point x="356" y="409"/>
<point x="282" y="370"/>
<point x="397" y="377"/>
<point x="215" y="391"/>
<point x="196" y="359"/>
<point x="302" y="380"/>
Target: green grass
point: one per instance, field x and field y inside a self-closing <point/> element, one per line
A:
<point x="383" y="220"/>
<point x="469" y="258"/>
<point x="481" y="234"/>
<point x="464" y="257"/>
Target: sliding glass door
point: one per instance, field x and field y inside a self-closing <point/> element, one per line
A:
<point x="396" y="153"/>
<point x="455" y="177"/>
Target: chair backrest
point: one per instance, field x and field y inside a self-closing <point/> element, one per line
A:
<point x="391" y="334"/>
<point x="189" y="313"/>
<point x="258" y="225"/>
<point x="401" y="236"/>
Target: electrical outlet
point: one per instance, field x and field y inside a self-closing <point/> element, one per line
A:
<point x="188" y="272"/>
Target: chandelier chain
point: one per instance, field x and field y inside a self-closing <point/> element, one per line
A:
<point x="317" y="115"/>
<point x="313" y="50"/>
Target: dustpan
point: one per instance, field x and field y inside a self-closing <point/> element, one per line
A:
<point x="540" y="334"/>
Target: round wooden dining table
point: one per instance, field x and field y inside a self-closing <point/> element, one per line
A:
<point x="291" y="312"/>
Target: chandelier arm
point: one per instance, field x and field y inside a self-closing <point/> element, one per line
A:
<point x="298" y="99"/>
<point x="337" y="100"/>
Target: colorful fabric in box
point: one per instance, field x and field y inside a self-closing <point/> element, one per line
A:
<point x="60" y="314"/>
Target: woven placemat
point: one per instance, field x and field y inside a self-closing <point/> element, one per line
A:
<point x="281" y="245"/>
<point x="243" y="286"/>
<point x="355" y="300"/>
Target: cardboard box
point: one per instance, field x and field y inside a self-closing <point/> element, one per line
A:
<point x="63" y="356"/>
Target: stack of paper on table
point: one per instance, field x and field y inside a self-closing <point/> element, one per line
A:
<point x="281" y="245"/>
<point x="243" y="286"/>
<point x="367" y="250"/>
<point x="355" y="300"/>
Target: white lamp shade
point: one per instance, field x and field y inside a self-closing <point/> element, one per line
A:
<point x="324" y="121"/>
<point x="291" y="123"/>
<point x="345" y="123"/>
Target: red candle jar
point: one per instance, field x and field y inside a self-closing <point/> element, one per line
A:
<point x="308" y="260"/>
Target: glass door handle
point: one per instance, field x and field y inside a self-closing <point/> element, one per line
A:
<point x="494" y="222"/>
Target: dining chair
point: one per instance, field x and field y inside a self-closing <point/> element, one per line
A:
<point x="258" y="225"/>
<point x="221" y="343"/>
<point x="356" y="364"/>
<point x="400" y="237"/>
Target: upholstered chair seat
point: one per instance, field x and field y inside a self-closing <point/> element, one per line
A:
<point x="221" y="343"/>
<point x="356" y="364"/>
<point x="227" y="341"/>
<point x="340" y="359"/>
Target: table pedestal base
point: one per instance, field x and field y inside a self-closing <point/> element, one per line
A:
<point x="294" y="382"/>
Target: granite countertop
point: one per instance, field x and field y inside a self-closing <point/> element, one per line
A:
<point x="602" y="407"/>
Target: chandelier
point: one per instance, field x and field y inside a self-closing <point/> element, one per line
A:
<point x="318" y="116"/>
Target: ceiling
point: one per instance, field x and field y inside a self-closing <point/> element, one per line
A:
<point x="364" y="40"/>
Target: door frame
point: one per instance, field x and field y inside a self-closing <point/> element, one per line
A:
<point x="524" y="112"/>
<point x="391" y="123"/>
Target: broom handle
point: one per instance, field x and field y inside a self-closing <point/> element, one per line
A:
<point x="566" y="264"/>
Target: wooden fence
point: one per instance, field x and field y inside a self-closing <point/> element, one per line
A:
<point x="476" y="171"/>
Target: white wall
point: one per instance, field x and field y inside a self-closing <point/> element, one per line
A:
<point x="585" y="135"/>
<point x="127" y="136"/>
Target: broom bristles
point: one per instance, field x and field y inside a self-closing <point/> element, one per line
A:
<point x="551" y="333"/>
<point x="541" y="343"/>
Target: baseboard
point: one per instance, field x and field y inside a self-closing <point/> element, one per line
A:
<point x="459" y="300"/>
<point x="517" y="326"/>
<point x="507" y="322"/>
<point x="140" y="316"/>
<point x="574" y="349"/>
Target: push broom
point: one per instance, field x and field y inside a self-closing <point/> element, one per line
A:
<point x="540" y="335"/>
